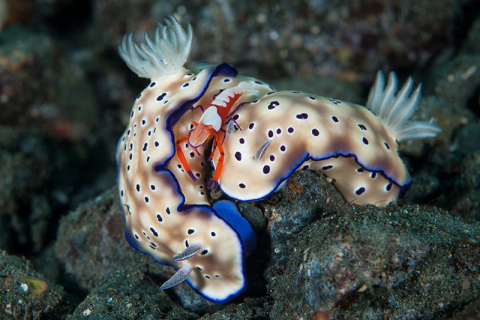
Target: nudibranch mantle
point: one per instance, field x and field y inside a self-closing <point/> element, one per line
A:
<point x="159" y="222"/>
<point x="348" y="143"/>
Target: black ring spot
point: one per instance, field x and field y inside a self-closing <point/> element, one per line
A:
<point x="361" y="126"/>
<point x="273" y="104"/>
<point x="155" y="233"/>
<point x="360" y="191"/>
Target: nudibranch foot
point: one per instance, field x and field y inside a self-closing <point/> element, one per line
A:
<point x="163" y="56"/>
<point x="179" y="276"/>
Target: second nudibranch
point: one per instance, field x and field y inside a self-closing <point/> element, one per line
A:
<point x="354" y="146"/>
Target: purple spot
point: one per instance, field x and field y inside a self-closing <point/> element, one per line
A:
<point x="146" y="199"/>
<point x="270" y="134"/>
<point x="273" y="104"/>
<point x="138" y="188"/>
<point x="266" y="169"/>
<point x="157" y="144"/>
<point x="361" y="126"/>
<point x="305" y="167"/>
<point x="168" y="210"/>
<point x="360" y="191"/>
<point x="238" y="156"/>
<point x="160" y="97"/>
<point x="373" y="175"/>
<point x="389" y="186"/>
<point x="190" y="231"/>
<point x="186" y="85"/>
<point x="152" y="84"/>
<point x="241" y="185"/>
<point x="279" y="131"/>
<point x="121" y="193"/>
<point x="152" y="187"/>
<point x="155" y="233"/>
<point x="159" y="217"/>
<point x="235" y="117"/>
<point x="290" y="130"/>
<point x="315" y="132"/>
<point x="302" y="116"/>
<point x="251" y="125"/>
<point x="213" y="234"/>
<point x="242" y="141"/>
<point x="335" y="119"/>
<point x="386" y="146"/>
<point x="365" y="140"/>
<point x="272" y="158"/>
<point x="283" y="148"/>
<point x="145" y="146"/>
<point x="192" y="154"/>
<point x="312" y="98"/>
<point x="359" y="170"/>
<point x="327" y="167"/>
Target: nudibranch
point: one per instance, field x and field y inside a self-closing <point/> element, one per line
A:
<point x="167" y="215"/>
<point x="354" y="146"/>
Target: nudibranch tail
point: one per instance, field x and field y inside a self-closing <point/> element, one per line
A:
<point x="163" y="56"/>
<point x="395" y="110"/>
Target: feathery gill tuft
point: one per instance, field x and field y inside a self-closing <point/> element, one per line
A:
<point x="163" y="56"/>
<point x="395" y="110"/>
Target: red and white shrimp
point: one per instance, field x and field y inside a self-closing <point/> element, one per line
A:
<point x="210" y="126"/>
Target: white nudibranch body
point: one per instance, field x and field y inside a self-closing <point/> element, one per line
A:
<point x="357" y="149"/>
<point x="260" y="138"/>
<point x="206" y="245"/>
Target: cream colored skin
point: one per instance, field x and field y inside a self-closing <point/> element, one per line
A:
<point x="221" y="268"/>
<point x="339" y="126"/>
